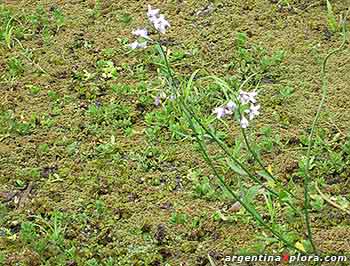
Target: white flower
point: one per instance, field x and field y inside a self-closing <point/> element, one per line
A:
<point x="161" y="24"/>
<point x="142" y="45"/>
<point x="220" y="112"/>
<point x="247" y="97"/>
<point x="230" y="107"/>
<point x="244" y="122"/>
<point x="136" y="45"/>
<point x="141" y="33"/>
<point x="152" y="13"/>
<point x="253" y="111"/>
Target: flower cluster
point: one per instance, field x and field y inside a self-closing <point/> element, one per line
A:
<point x="159" y="23"/>
<point x="158" y="20"/>
<point x="244" y="98"/>
<point x="228" y="109"/>
<point x="136" y="44"/>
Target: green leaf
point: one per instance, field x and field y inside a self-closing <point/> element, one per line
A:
<point x="237" y="169"/>
<point x="251" y="193"/>
<point x="331" y="19"/>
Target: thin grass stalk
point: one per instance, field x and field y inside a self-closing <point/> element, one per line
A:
<point x="307" y="177"/>
<point x="256" y="157"/>
<point x="226" y="151"/>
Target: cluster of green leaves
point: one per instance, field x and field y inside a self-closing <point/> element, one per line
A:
<point x="15" y="67"/>
<point x="163" y="119"/>
<point x="48" y="237"/>
<point x="45" y="235"/>
<point x="332" y="23"/>
<point x="331" y="156"/>
<point x="17" y="27"/>
<point x="10" y="124"/>
<point x="14" y="28"/>
<point x="116" y="114"/>
<point x="11" y="27"/>
<point x="251" y="59"/>
<point x="107" y="69"/>
<point x="46" y="22"/>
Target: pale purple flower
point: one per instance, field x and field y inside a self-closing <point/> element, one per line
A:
<point x="152" y="13"/>
<point x="244" y="122"/>
<point x="247" y="97"/>
<point x="138" y="45"/>
<point x="253" y="111"/>
<point x="244" y="98"/>
<point x="141" y="33"/>
<point x="230" y="107"/>
<point x="134" y="45"/>
<point x="161" y="24"/>
<point x="220" y="112"/>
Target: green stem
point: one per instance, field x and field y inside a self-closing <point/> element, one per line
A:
<point x="190" y="114"/>
<point x="188" y="109"/>
<point x="226" y="151"/>
<point x="237" y="162"/>
<point x="311" y="141"/>
<point x="256" y="157"/>
<point x="170" y="76"/>
<point x="213" y="136"/>
<point x="250" y="209"/>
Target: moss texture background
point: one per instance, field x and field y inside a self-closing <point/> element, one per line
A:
<point x="118" y="195"/>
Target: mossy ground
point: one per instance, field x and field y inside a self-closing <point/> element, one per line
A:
<point x="118" y="184"/>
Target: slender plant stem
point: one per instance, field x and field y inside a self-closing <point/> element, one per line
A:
<point x="311" y="139"/>
<point x="226" y="151"/>
<point x="170" y="73"/>
<point x="256" y="157"/>
<point x="30" y="60"/>
<point x="213" y="136"/>
<point x="191" y="115"/>
<point x="237" y="162"/>
<point x="250" y="209"/>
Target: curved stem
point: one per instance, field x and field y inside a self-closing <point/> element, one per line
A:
<point x="225" y="150"/>
<point x="311" y="141"/>
<point x="171" y="77"/>
<point x="329" y="201"/>
<point x="190" y="111"/>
